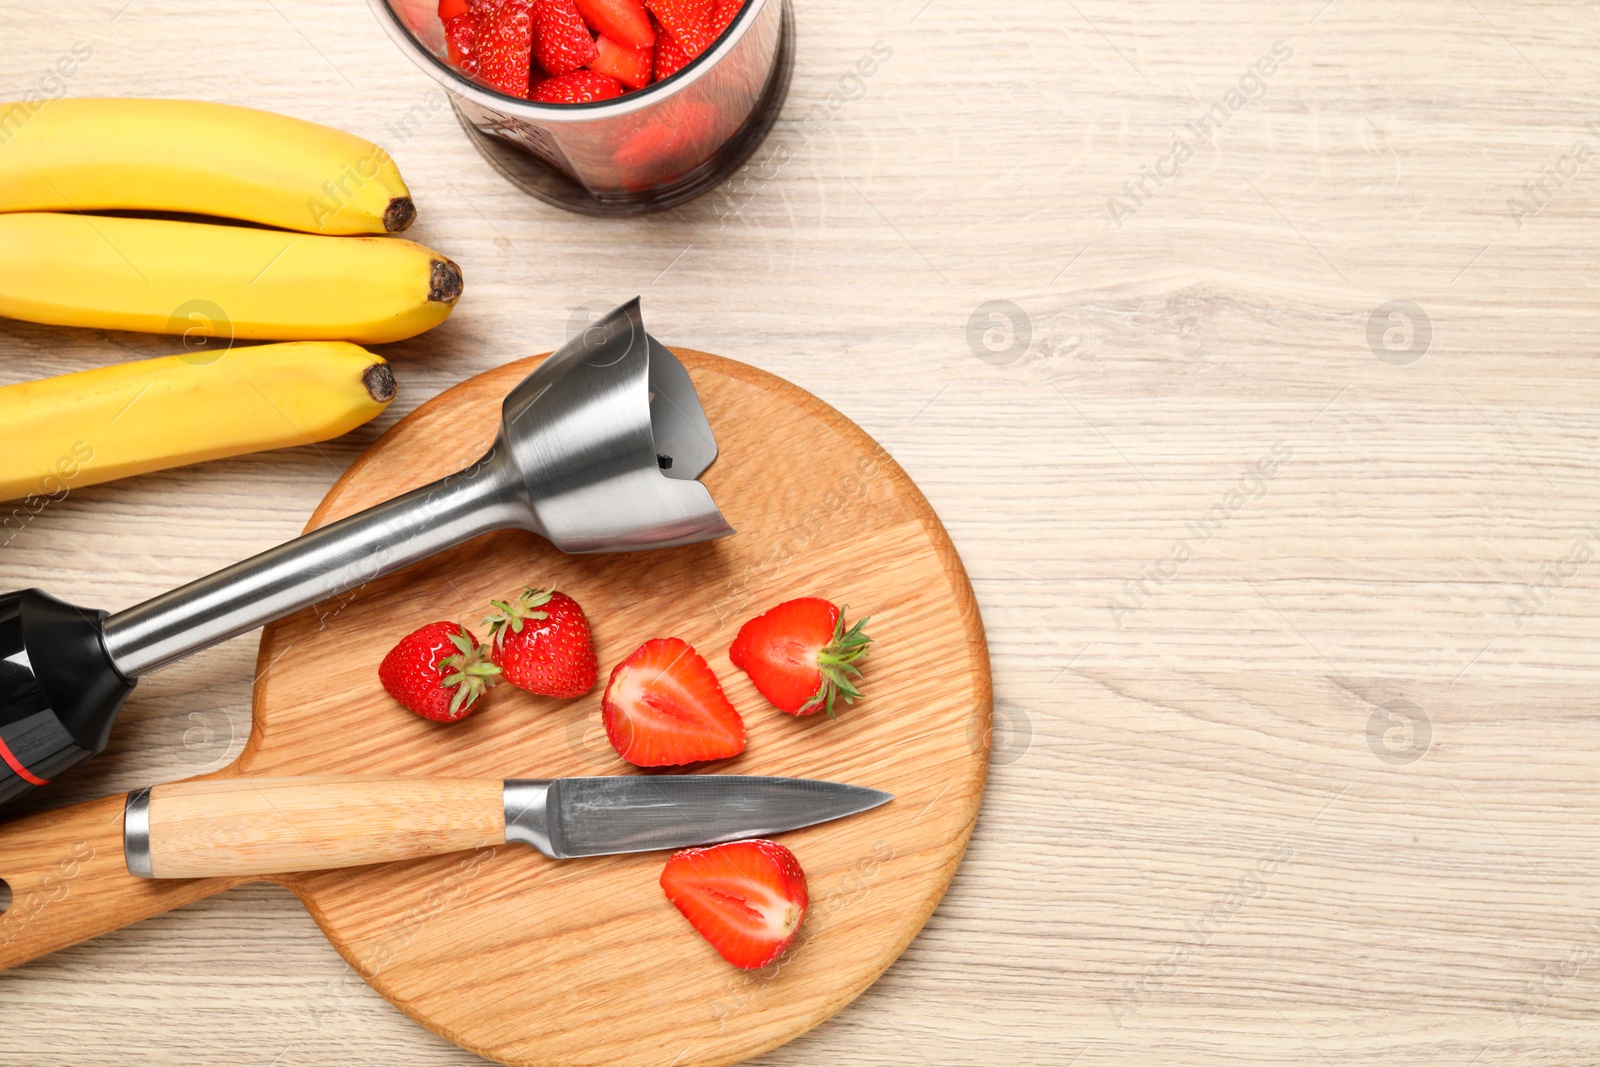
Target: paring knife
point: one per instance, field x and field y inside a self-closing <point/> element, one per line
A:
<point x="250" y="826"/>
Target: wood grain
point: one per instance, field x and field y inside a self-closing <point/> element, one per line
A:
<point x="523" y="959"/>
<point x="1435" y="912"/>
<point x="247" y="826"/>
<point x="447" y="936"/>
<point x="69" y="881"/>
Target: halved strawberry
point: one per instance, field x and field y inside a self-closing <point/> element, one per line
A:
<point x="664" y="707"/>
<point x="624" y="21"/>
<point x="800" y="655"/>
<point x="723" y="13"/>
<point x="630" y="66"/>
<point x="689" y="21"/>
<point x="561" y="41"/>
<point x="460" y="33"/>
<point x="503" y="45"/>
<point x="670" y="56"/>
<point x="747" y="898"/>
<point x="577" y="87"/>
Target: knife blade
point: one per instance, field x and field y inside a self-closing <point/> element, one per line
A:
<point x="259" y="826"/>
<point x="570" y="817"/>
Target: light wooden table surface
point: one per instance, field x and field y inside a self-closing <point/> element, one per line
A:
<point x="1291" y="604"/>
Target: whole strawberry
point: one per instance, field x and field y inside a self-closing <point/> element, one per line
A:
<point x="541" y="643"/>
<point x="437" y="672"/>
<point x="800" y="656"/>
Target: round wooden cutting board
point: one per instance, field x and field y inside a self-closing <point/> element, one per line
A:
<point x="533" y="961"/>
<point x="528" y="960"/>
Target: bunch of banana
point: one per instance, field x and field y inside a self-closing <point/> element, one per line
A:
<point x="59" y="434"/>
<point x="60" y="263"/>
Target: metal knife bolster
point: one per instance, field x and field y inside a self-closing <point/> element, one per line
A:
<point x="527" y="805"/>
<point x="136" y="833"/>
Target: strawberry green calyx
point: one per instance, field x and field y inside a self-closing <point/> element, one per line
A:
<point x="470" y="676"/>
<point x="837" y="663"/>
<point x="510" y="615"/>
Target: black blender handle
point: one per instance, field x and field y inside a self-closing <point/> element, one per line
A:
<point x="59" y="690"/>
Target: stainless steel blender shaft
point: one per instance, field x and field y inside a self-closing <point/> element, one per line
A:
<point x="323" y="565"/>
<point x="600" y="450"/>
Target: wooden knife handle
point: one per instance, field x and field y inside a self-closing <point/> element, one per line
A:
<point x="68" y="881"/>
<point x="256" y="826"/>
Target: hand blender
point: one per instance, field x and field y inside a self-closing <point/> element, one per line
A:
<point x="599" y="450"/>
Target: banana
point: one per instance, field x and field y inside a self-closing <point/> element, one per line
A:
<point x="165" y="276"/>
<point x="189" y="156"/>
<point x="62" y="433"/>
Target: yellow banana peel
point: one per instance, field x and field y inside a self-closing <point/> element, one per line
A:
<point x="166" y="276"/>
<point x="62" y="433"/>
<point x="191" y="156"/>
